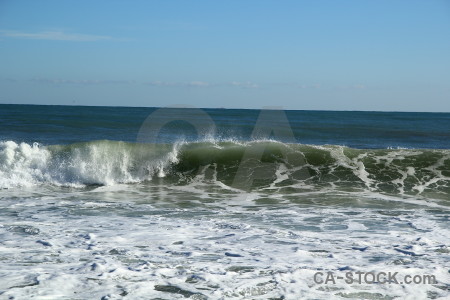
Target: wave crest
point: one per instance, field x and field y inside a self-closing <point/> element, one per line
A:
<point x="256" y="164"/>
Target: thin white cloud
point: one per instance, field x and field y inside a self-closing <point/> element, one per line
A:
<point x="80" y="82"/>
<point x="198" y="84"/>
<point x="179" y="84"/>
<point x="162" y="83"/>
<point x="185" y="84"/>
<point x="351" y="87"/>
<point x="247" y="84"/>
<point x="202" y="84"/>
<point x="297" y="85"/>
<point x="54" y="36"/>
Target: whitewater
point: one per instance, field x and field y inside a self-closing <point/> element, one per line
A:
<point x="90" y="211"/>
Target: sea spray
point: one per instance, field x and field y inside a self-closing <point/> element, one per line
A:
<point x="391" y="171"/>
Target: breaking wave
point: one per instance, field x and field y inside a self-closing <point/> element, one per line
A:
<point x="251" y="165"/>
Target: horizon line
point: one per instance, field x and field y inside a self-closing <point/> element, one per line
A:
<point x="234" y="108"/>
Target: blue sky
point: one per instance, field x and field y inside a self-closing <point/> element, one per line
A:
<point x="318" y="54"/>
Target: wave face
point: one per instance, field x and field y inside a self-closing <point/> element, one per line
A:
<point x="241" y="165"/>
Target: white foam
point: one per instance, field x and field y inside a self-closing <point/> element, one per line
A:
<point x="111" y="250"/>
<point x="102" y="162"/>
<point x="22" y="164"/>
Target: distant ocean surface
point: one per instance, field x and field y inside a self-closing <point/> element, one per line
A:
<point x="175" y="203"/>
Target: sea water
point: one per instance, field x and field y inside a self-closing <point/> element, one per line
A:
<point x="147" y="203"/>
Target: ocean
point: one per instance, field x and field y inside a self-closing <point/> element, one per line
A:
<point x="182" y="202"/>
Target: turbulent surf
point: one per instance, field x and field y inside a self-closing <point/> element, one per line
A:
<point x="257" y="164"/>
